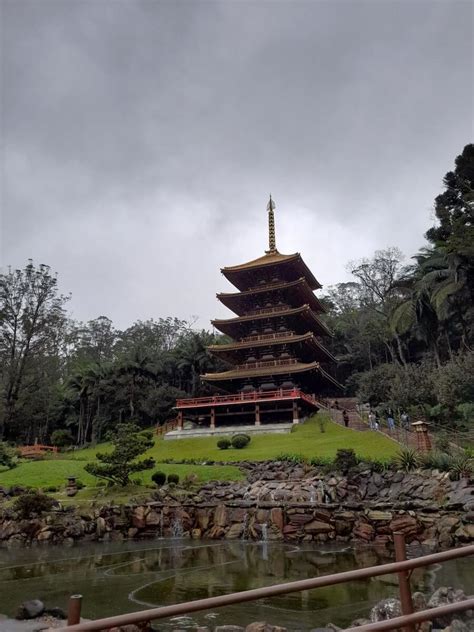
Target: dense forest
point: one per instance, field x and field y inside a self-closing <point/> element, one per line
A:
<point x="403" y="338"/>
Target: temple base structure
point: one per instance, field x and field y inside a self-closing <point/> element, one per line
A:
<point x="260" y="412"/>
<point x="228" y="431"/>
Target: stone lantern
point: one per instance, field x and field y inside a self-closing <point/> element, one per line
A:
<point x="423" y="441"/>
<point x="71" y="487"/>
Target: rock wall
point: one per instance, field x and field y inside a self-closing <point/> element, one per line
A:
<point x="276" y="503"/>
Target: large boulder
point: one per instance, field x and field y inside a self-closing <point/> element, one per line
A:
<point x="386" y="609"/>
<point x="30" y="609"/>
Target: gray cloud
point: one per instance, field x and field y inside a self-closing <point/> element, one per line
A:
<point x="141" y="139"/>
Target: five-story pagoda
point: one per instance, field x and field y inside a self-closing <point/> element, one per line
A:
<point x="278" y="364"/>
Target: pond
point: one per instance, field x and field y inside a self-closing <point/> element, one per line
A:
<point x="122" y="577"/>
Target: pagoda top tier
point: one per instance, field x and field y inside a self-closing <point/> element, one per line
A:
<point x="273" y="267"/>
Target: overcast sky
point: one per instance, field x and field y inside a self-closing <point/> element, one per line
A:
<point x="140" y="139"/>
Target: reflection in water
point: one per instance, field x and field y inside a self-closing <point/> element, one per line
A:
<point x="122" y="577"/>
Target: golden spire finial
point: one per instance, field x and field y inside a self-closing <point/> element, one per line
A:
<point x="271" y="226"/>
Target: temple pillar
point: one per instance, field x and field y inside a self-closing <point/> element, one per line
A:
<point x="213" y="418"/>
<point x="180" y="419"/>
<point x="257" y="414"/>
<point x="295" y="412"/>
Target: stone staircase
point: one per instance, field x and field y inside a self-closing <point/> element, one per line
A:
<point x="405" y="438"/>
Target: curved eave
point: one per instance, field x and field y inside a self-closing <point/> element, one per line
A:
<point x="237" y="274"/>
<point x="226" y="351"/>
<point x="224" y="324"/>
<point x="260" y="372"/>
<point x="235" y="301"/>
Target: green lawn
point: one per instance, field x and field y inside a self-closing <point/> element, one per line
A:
<point x="306" y="439"/>
<point x="54" y="472"/>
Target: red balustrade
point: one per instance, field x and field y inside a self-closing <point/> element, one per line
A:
<point x="253" y="396"/>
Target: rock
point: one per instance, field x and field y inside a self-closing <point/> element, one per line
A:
<point x="101" y="527"/>
<point x="375" y="516"/>
<point x="261" y="626"/>
<point x="196" y="534"/>
<point x="419" y="601"/>
<point x="276" y="517"/>
<point x="465" y="533"/>
<point x="357" y="623"/>
<point x="235" y="532"/>
<point x="229" y="628"/>
<point x="220" y="516"/>
<point x="363" y="531"/>
<point x="386" y="609"/>
<point x="56" y="612"/>
<point x="317" y="526"/>
<point x="30" y="609"/>
<point x="139" y="517"/>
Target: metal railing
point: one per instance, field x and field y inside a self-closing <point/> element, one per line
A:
<point x="402" y="567"/>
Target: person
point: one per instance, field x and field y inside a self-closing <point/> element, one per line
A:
<point x="377" y="421"/>
<point x="405" y="420"/>
<point x="390" y="421"/>
<point x="371" y="420"/>
<point x="345" y="417"/>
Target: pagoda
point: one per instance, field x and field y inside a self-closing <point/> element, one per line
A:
<point x="279" y="369"/>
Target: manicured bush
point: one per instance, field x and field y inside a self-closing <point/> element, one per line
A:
<point x="240" y="441"/>
<point x="173" y="478"/>
<point x="62" y="438"/>
<point x="32" y="502"/>
<point x="159" y="478"/>
<point x="223" y="444"/>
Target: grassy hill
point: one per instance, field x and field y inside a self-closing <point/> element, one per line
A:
<point x="306" y="440"/>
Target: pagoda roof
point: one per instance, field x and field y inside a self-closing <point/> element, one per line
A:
<point x="311" y="368"/>
<point x="297" y="367"/>
<point x="243" y="275"/>
<point x="299" y="289"/>
<point x="229" y="351"/>
<point x="303" y="314"/>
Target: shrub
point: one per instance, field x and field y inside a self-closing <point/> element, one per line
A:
<point x="345" y="459"/>
<point x="159" y="478"/>
<point x="224" y="444"/>
<point x="173" y="478"/>
<point x="290" y="458"/>
<point x="461" y="467"/>
<point x="32" y="502"/>
<point x="7" y="456"/>
<point x="407" y="460"/>
<point x="80" y="484"/>
<point x="321" y="461"/>
<point x="240" y="441"/>
<point x="189" y="480"/>
<point x="62" y="438"/>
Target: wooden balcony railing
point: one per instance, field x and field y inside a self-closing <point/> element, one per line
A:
<point x="265" y="363"/>
<point x="281" y="393"/>
<point x="268" y="310"/>
<point x="275" y="336"/>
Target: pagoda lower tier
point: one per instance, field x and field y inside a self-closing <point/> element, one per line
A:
<point x="254" y="408"/>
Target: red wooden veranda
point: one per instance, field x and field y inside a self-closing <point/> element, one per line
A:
<point x="254" y="397"/>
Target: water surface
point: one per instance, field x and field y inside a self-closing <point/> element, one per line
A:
<point x="122" y="577"/>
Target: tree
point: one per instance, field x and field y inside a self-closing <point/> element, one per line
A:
<point x="32" y="319"/>
<point x="129" y="443"/>
<point x="378" y="281"/>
